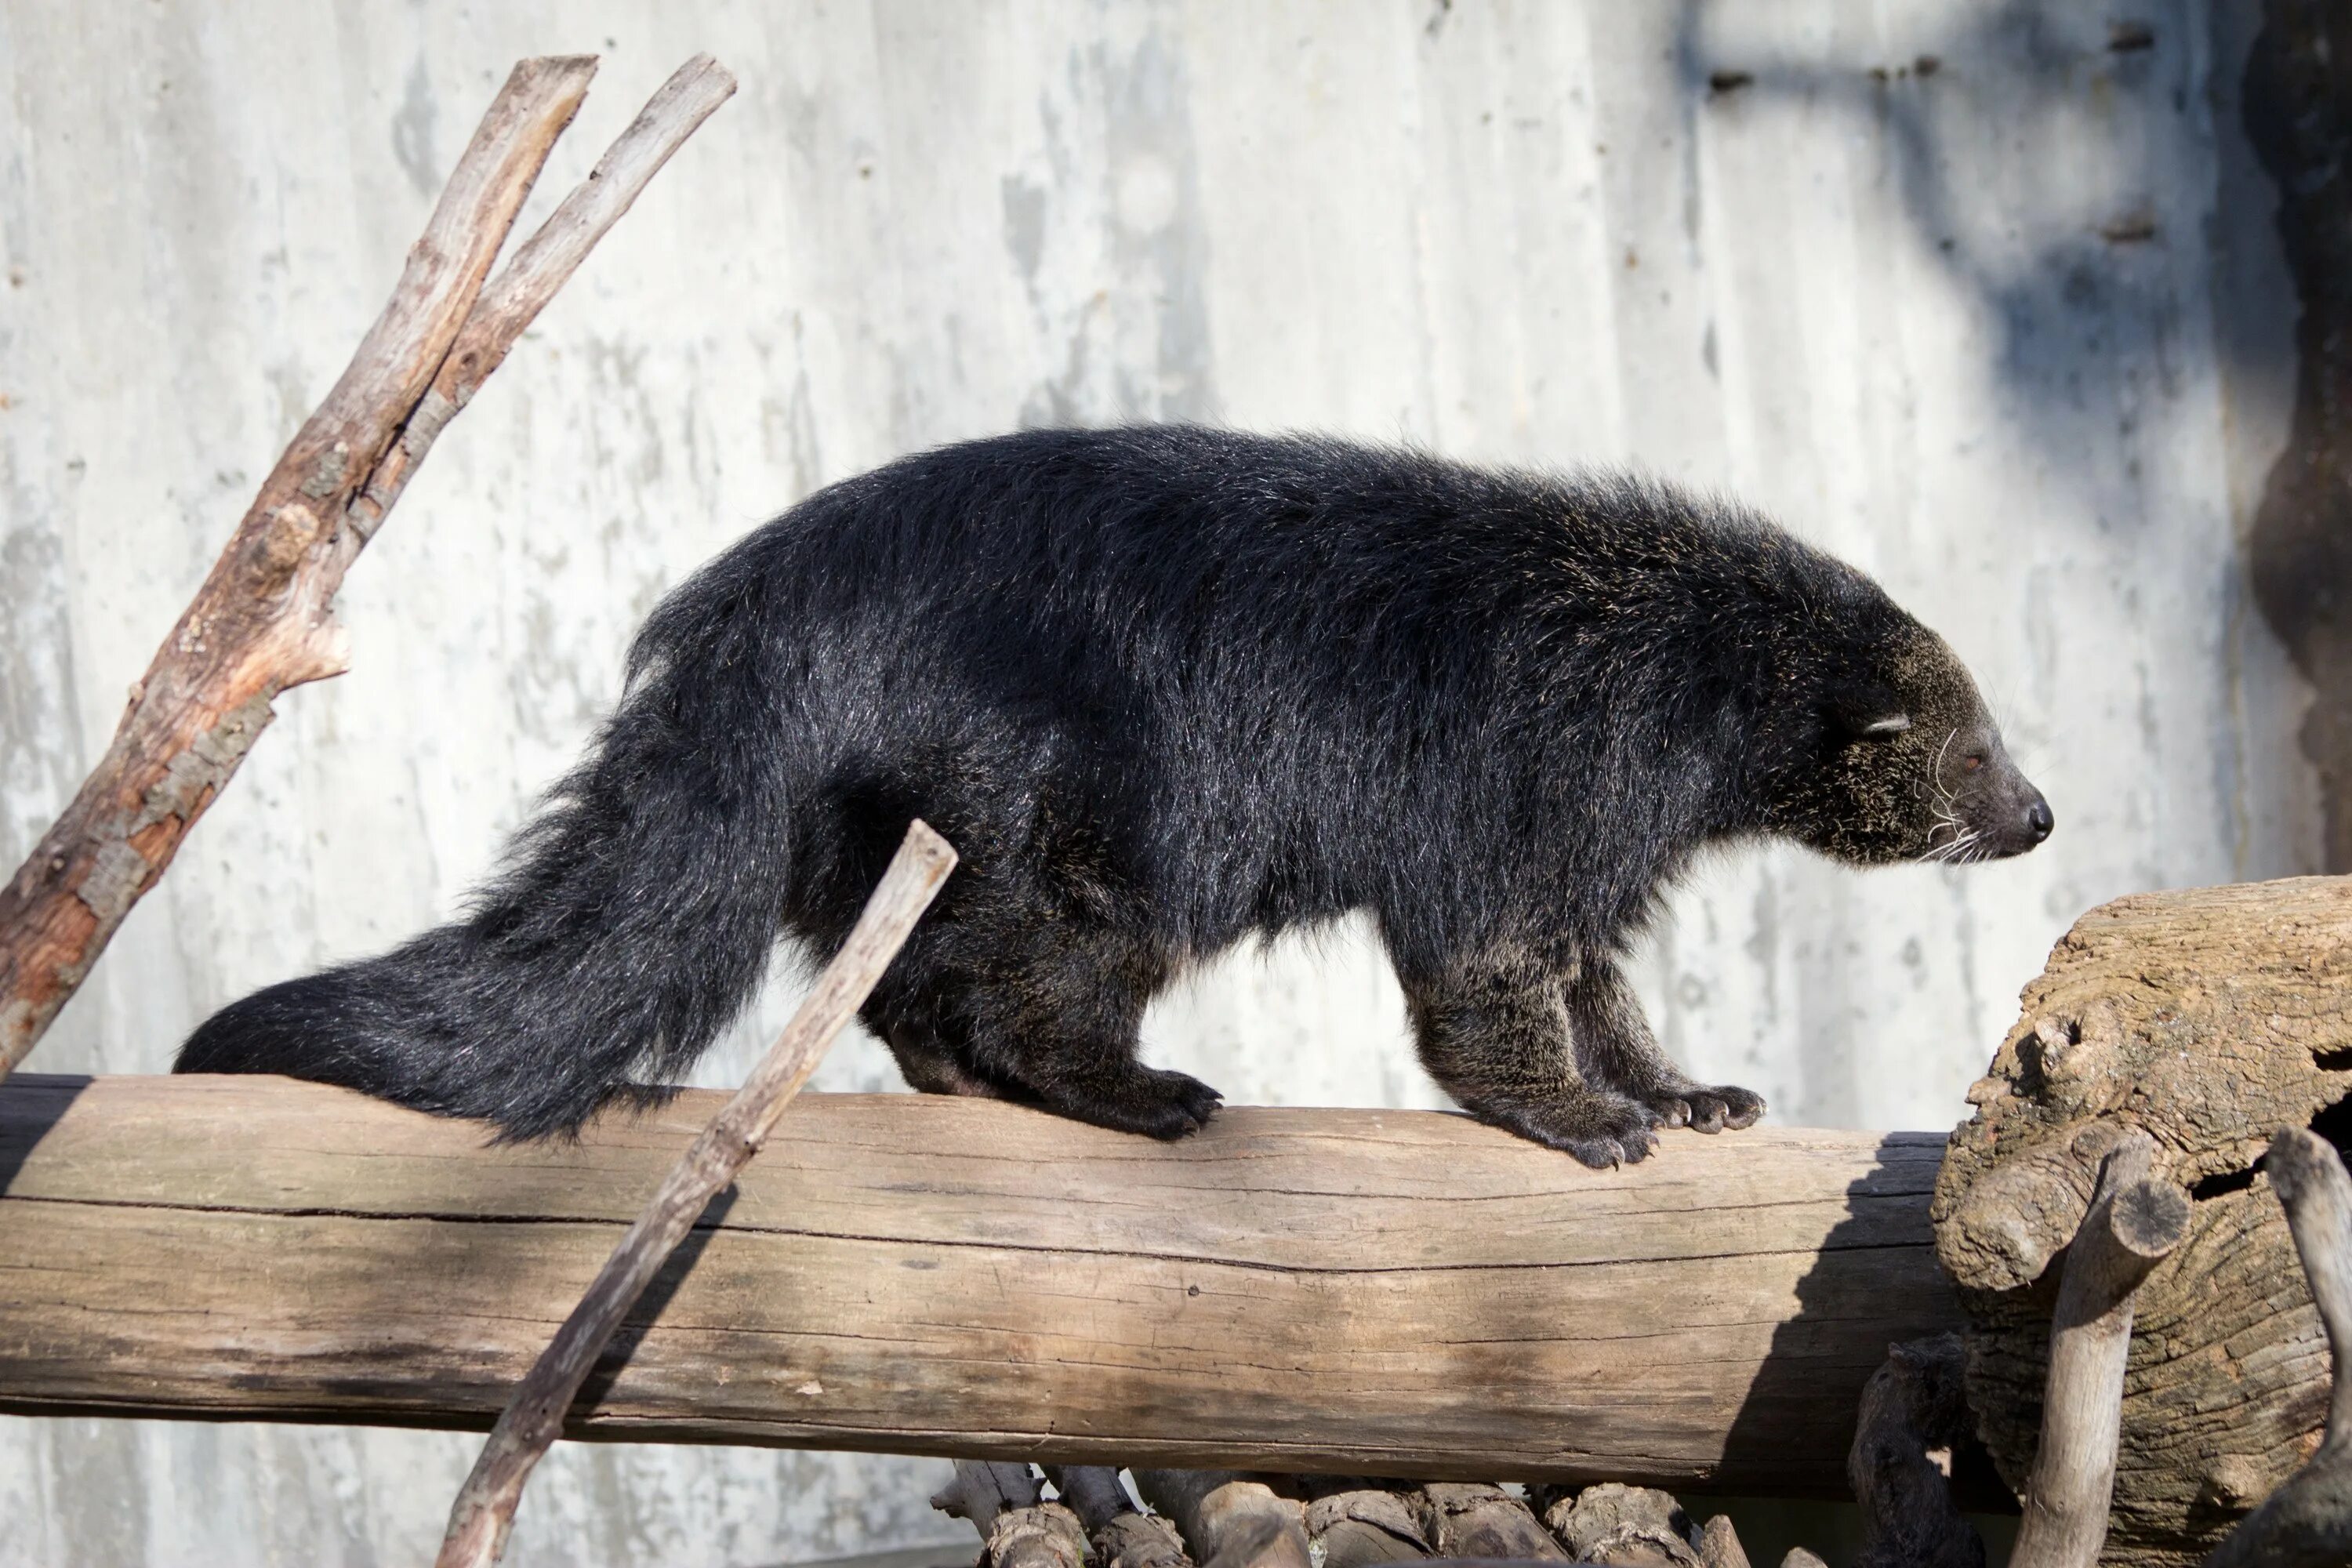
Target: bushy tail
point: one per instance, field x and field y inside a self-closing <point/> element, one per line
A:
<point x="632" y="921"/>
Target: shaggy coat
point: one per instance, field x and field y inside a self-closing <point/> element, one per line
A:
<point x="1165" y="689"/>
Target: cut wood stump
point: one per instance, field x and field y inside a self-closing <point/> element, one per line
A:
<point x="2207" y="1018"/>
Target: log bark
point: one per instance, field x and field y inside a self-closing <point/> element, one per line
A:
<point x="1122" y="1534"/>
<point x="2206" y="1018"/>
<point x="1016" y="1529"/>
<point x="1462" y="1519"/>
<point x="1620" y="1525"/>
<point x="263" y="620"/>
<point x="1354" y="1291"/>
<point x="2308" y="1522"/>
<point x="1228" y="1520"/>
<point x="483" y="1515"/>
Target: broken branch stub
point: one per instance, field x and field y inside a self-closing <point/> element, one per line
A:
<point x="2133" y="1225"/>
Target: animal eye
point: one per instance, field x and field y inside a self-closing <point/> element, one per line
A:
<point x="1972" y="762"/>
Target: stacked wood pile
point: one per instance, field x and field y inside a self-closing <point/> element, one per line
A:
<point x="1174" y="1519"/>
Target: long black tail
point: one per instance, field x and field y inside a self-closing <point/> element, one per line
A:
<point x="632" y="921"/>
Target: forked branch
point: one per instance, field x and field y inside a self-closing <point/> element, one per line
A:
<point x="263" y="620"/>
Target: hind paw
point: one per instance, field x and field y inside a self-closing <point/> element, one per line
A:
<point x="1149" y="1101"/>
<point x="1705" y="1109"/>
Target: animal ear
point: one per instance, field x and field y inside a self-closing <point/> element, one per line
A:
<point x="1868" y="710"/>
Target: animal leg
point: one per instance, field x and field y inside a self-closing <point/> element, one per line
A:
<point x="1033" y="1003"/>
<point x="1493" y="1031"/>
<point x="1065" y="1024"/>
<point x="1614" y="1047"/>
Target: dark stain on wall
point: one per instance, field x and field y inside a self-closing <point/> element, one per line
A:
<point x="2298" y="115"/>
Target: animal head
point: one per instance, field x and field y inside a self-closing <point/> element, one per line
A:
<point x="1889" y="753"/>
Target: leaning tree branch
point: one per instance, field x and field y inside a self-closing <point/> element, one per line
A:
<point x="263" y="620"/>
<point x="483" y="1513"/>
<point x="2308" y="1522"/>
<point x="2134" y="1223"/>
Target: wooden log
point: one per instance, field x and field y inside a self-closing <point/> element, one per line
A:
<point x="483" y="1515"/>
<point x="1352" y="1291"/>
<point x="2207" y="1018"/>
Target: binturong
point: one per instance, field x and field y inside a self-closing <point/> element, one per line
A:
<point x="1167" y="689"/>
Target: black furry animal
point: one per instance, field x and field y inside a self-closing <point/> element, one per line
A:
<point x="1165" y="689"/>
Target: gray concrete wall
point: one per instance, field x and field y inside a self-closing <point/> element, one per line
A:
<point x="1960" y="290"/>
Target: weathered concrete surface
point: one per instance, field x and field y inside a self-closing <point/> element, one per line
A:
<point x="2008" y="328"/>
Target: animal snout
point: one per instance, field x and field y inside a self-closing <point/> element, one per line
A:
<point x="2038" y="820"/>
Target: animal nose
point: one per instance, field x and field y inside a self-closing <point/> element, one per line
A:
<point x="2038" y="820"/>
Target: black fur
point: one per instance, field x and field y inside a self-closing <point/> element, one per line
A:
<point x="1165" y="689"/>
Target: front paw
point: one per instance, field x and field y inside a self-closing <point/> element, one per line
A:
<point x="1705" y="1110"/>
<point x="1602" y="1131"/>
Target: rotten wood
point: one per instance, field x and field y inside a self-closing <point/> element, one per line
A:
<point x="1622" y="1526"/>
<point x="2209" y="1019"/>
<point x="2133" y="1224"/>
<point x="1289" y="1289"/>
<point x="263" y="620"/>
<point x="1476" y="1520"/>
<point x="483" y="1513"/>
<point x="1915" y="1415"/>
<point x="1365" y="1525"/>
<point x="1227" y="1519"/>
<point x="1122" y="1535"/>
<point x="2308" y="1522"/>
<point x="1017" y="1529"/>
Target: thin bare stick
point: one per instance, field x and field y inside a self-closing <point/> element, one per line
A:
<point x="262" y="621"/>
<point x="2308" y="1522"/>
<point x="511" y="301"/>
<point x="2134" y="1223"/>
<point x="483" y="1513"/>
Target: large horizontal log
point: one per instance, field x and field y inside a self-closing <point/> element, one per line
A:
<point x="1389" y="1293"/>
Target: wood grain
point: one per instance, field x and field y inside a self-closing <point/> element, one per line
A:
<point x="2208" y="1018"/>
<point x="1387" y="1292"/>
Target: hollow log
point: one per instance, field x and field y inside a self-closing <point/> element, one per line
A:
<point x="1345" y="1291"/>
<point x="2209" y="1019"/>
